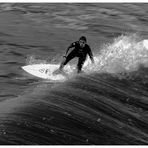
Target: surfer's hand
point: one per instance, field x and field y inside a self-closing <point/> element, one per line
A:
<point x="93" y="61"/>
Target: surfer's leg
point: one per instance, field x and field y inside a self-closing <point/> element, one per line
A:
<point x="68" y="58"/>
<point x="81" y="61"/>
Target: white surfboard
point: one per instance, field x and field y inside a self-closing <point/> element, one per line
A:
<point x="44" y="71"/>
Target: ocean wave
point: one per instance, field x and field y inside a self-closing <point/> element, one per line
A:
<point x="89" y="109"/>
<point x="105" y="105"/>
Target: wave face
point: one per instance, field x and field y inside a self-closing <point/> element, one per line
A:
<point x="90" y="109"/>
<point x="106" y="105"/>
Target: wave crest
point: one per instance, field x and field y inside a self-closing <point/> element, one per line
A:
<point x="125" y="54"/>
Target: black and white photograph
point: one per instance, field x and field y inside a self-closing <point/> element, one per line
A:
<point x="73" y="73"/>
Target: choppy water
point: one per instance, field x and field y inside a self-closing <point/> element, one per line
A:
<point x="106" y="105"/>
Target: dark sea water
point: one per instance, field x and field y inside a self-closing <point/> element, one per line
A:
<point x="106" y="105"/>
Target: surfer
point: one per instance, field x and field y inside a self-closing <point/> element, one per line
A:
<point x="80" y="49"/>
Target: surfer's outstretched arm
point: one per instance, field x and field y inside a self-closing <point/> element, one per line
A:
<point x="67" y="51"/>
<point x="65" y="57"/>
<point x="72" y="45"/>
<point x="91" y="55"/>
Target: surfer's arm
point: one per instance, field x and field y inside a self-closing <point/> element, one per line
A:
<point x="71" y="46"/>
<point x="91" y="55"/>
<point x="67" y="51"/>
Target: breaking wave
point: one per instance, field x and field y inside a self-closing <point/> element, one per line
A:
<point x="93" y="108"/>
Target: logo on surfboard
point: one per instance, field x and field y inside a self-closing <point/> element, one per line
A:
<point x="43" y="70"/>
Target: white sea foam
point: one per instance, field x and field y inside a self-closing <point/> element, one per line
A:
<point x="125" y="54"/>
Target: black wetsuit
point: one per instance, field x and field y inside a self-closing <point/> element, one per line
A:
<point x="79" y="52"/>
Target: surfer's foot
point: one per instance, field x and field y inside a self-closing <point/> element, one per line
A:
<point x="80" y="71"/>
<point x="58" y="71"/>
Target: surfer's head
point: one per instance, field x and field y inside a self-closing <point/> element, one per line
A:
<point x="82" y="41"/>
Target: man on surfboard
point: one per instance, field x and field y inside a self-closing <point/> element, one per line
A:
<point x="80" y="49"/>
